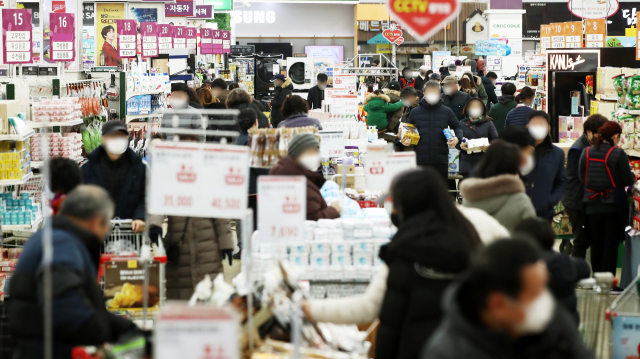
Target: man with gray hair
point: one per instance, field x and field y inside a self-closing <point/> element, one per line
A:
<point x="80" y="317"/>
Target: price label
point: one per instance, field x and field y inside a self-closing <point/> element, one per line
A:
<point x="149" y="38"/>
<point x="331" y="144"/>
<point x="595" y="37"/>
<point x="573" y="45"/>
<point x="349" y="82"/>
<point x="180" y="170"/>
<point x="164" y="46"/>
<point x="206" y="36"/>
<point x="216" y="42"/>
<point x="127" y="33"/>
<point x="149" y="32"/>
<point x="226" y="42"/>
<point x="381" y="169"/>
<point x="62" y="46"/>
<point x="16" y="28"/>
<point x="573" y="34"/>
<point x="62" y="55"/>
<point x="282" y="209"/>
<point x="149" y="46"/>
<point x="592" y="44"/>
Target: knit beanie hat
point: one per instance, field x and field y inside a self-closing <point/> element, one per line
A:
<point x="453" y="67"/>
<point x="301" y="142"/>
<point x="450" y="80"/>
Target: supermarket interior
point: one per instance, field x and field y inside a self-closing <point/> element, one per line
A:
<point x="274" y="179"/>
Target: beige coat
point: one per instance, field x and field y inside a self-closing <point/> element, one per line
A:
<point x="200" y="254"/>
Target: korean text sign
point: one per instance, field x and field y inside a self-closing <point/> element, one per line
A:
<point x="62" y="36"/>
<point x="149" y="33"/>
<point x="282" y="208"/>
<point x="331" y="144"/>
<point x="127" y="38"/>
<point x="16" y="31"/>
<point x="380" y="169"/>
<point x="165" y="38"/>
<point x="180" y="37"/>
<point x="206" y="36"/>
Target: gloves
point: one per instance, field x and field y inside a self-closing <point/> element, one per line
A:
<point x="154" y="233"/>
<point x="227" y="253"/>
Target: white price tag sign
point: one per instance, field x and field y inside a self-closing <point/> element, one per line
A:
<point x="595" y="44"/>
<point x="381" y="169"/>
<point x="182" y="175"/>
<point x="191" y="41"/>
<point x="349" y="82"/>
<point x="62" y="55"/>
<point x="58" y="46"/>
<point x="18" y="56"/>
<point x="148" y="45"/>
<point x="165" y="40"/>
<point x="216" y="41"/>
<point x="179" y="41"/>
<point x="180" y="46"/>
<point x="18" y="35"/>
<point x="127" y="38"/>
<point x="595" y="37"/>
<point x="205" y="41"/>
<point x="331" y="144"/>
<point x="127" y="46"/>
<point x="282" y="208"/>
<point x="345" y="104"/>
<point x="557" y="45"/>
<point x="149" y="53"/>
<point x="149" y="39"/>
<point x="19" y="46"/>
<point x="573" y="45"/>
<point x="574" y="39"/>
<point x="164" y="46"/>
<point x="127" y="53"/>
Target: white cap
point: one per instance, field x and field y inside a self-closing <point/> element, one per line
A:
<point x="423" y="67"/>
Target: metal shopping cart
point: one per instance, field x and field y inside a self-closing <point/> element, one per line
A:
<point x="624" y="314"/>
<point x="594" y="298"/>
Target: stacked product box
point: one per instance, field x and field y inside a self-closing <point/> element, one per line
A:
<point x="68" y="145"/>
<point x="19" y="211"/>
<point x="57" y="110"/>
<point x="15" y="160"/>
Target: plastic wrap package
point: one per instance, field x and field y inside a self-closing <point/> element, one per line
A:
<point x="624" y="141"/>
<point x="628" y="124"/>
<point x="636" y="141"/>
<point x="330" y="191"/>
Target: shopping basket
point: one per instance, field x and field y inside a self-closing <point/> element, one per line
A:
<point x="594" y="298"/>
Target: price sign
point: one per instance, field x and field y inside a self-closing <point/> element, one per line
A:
<point x="282" y="208"/>
<point x="595" y="32"/>
<point x="381" y="169"/>
<point x="149" y="33"/>
<point x="349" y="82"/>
<point x="557" y="35"/>
<point x="192" y="39"/>
<point x="206" y="36"/>
<point x="180" y="37"/>
<point x="62" y="35"/>
<point x="573" y="34"/>
<point x="180" y="171"/>
<point x="545" y="38"/>
<point x="226" y="42"/>
<point x="344" y="104"/>
<point x="16" y="29"/>
<point x="180" y="8"/>
<point x="165" y="38"/>
<point x="331" y="144"/>
<point x="127" y="42"/>
<point x="217" y="41"/>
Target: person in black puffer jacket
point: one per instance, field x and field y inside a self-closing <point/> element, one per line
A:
<point x="519" y="115"/>
<point x="431" y="118"/>
<point x="453" y="98"/>
<point x="433" y="245"/>
<point x="284" y="87"/>
<point x="490" y="87"/>
<point x="475" y="125"/>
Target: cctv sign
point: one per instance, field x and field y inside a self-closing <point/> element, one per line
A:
<point x="423" y="18"/>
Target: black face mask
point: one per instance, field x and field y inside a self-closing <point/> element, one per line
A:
<point x="395" y="219"/>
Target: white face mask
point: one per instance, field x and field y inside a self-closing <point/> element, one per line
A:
<point x="538" y="314"/>
<point x="407" y="103"/>
<point x="538" y="132"/>
<point x="116" y="146"/>
<point x="526" y="168"/>
<point x="178" y="103"/>
<point x="450" y="90"/>
<point x="322" y="87"/>
<point x="475" y="112"/>
<point x="432" y="98"/>
<point x="310" y="162"/>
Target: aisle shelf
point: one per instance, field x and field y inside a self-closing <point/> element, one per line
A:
<point x="17" y="181"/>
<point x="131" y="94"/>
<point x="39" y="164"/>
<point x="19" y="227"/>
<point x="633" y="153"/>
<point x="137" y="117"/>
<point x="20" y="137"/>
<point x="54" y="124"/>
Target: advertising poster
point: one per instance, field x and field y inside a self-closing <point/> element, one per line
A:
<point x="106" y="32"/>
<point x="492" y="48"/>
<point x="124" y="281"/>
<point x="56" y="7"/>
<point x="88" y="35"/>
<point x="140" y="14"/>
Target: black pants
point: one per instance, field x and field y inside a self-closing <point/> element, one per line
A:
<point x="580" y="243"/>
<point x="604" y="237"/>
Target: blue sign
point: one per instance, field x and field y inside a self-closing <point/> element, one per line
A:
<point x="492" y="48"/>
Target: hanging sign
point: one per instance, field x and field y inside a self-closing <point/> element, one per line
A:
<point x="206" y="35"/>
<point x="149" y="32"/>
<point x="573" y="34"/>
<point x="331" y="144"/>
<point x="595" y="32"/>
<point x="62" y="36"/>
<point x="424" y="18"/>
<point x="203" y="12"/>
<point x="180" y="37"/>
<point x="192" y="39"/>
<point x="545" y="38"/>
<point x="574" y="60"/>
<point x="127" y="42"/>
<point x="226" y="42"/>
<point x="180" y="8"/>
<point x="557" y="35"/>
<point x="16" y="35"/>
<point x="392" y="35"/>
<point x="282" y="209"/>
<point x="217" y="42"/>
<point x="381" y="169"/>
<point x="180" y="170"/>
<point x="165" y="38"/>
<point x="593" y="9"/>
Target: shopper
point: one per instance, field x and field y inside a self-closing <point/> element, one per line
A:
<point x="219" y="89"/>
<point x="520" y="114"/>
<point x="444" y="69"/>
<point x="303" y="159"/>
<point x="489" y="83"/>
<point x="453" y="67"/>
<point x="393" y="118"/>
<point x="434" y="77"/>
<point x="118" y="169"/>
<point x="477" y="84"/>
<point x="481" y="71"/>
<point x="239" y="99"/>
<point x="605" y="170"/>
<point x="407" y="78"/>
<point x="316" y="93"/>
<point x="497" y="188"/>
<point x="453" y="98"/>
<point x="520" y="137"/>
<point x="189" y="117"/>
<point x="283" y="89"/>
<point x="473" y="64"/>
<point x="434" y="243"/>
<point x="234" y="85"/>
<point x="547" y="181"/>
<point x="248" y="120"/>
<point x="208" y="102"/>
<point x="80" y="317"/>
<point x="503" y="309"/>
<point x="296" y="110"/>
<point x="378" y="105"/>
<point x="564" y="272"/>
<point x="423" y="77"/>
<point x="64" y="176"/>
<point x="193" y="99"/>
<point x="506" y="103"/>
<point x="431" y="118"/>
<point x="206" y="84"/>
<point x="467" y="87"/>
<point x="574" y="194"/>
<point x="475" y="125"/>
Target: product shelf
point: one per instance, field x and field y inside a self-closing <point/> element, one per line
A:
<point x="137" y="117"/>
<point x="39" y="164"/>
<point x="19" y="227"/>
<point x="18" y="137"/>
<point x="633" y="153"/>
<point x="54" y="124"/>
<point x="16" y="181"/>
<point x="131" y="94"/>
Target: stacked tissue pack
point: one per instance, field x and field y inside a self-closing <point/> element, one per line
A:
<point x="338" y="249"/>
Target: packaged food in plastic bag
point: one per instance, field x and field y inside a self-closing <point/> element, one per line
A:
<point x="408" y="134"/>
<point x="618" y="84"/>
<point x="624" y="141"/>
<point x="633" y="85"/>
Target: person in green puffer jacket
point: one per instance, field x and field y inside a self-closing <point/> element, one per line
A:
<point x="377" y="106"/>
<point x="506" y="103"/>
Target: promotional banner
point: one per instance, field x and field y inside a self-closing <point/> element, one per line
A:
<point x="206" y="36"/>
<point x="438" y="57"/>
<point x="181" y="8"/>
<point x="107" y="15"/>
<point x="165" y="38"/>
<point x="89" y="56"/>
<point x="179" y="37"/>
<point x="492" y="48"/>
<point x="16" y="35"/>
<point x="203" y="12"/>
<point x="124" y="283"/>
<point x="127" y="38"/>
<point x="149" y="34"/>
<point x="62" y="36"/>
<point x="226" y="42"/>
<point x="425" y="19"/>
<point x="593" y="9"/>
<point x="192" y="39"/>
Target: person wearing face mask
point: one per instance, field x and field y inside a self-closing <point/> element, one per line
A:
<point x="378" y="105"/>
<point x="496" y="187"/>
<point x="219" y="89"/>
<point x="547" y="181"/>
<point x="283" y="88"/>
<point x="505" y="104"/>
<point x="502" y="308"/>
<point x="410" y="100"/>
<point x="453" y="98"/>
<point x="605" y="172"/>
<point x="476" y="124"/>
<point x="444" y="69"/>
<point x="431" y="118"/>
<point x="316" y="93"/>
<point x="520" y="114"/>
<point x="573" y="196"/>
<point x="303" y="159"/>
<point x="80" y="316"/>
<point x="180" y="102"/>
<point x="407" y="78"/>
<point x="520" y="137"/>
<point x="489" y="83"/>
<point x="296" y="110"/>
<point x="119" y="170"/>
<point x="477" y="84"/>
<point x="423" y="77"/>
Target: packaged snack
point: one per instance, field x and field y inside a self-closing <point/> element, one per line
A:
<point x="624" y="141"/>
<point x="409" y="132"/>
<point x="618" y="81"/>
<point x="628" y="124"/>
<point x="286" y="134"/>
<point x="578" y="124"/>
<point x="633" y="85"/>
<point x="270" y="154"/>
<point x="636" y="141"/>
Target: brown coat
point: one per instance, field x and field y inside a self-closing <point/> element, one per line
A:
<point x="200" y="254"/>
<point x="316" y="206"/>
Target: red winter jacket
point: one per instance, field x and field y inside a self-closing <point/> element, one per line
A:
<point x="406" y="83"/>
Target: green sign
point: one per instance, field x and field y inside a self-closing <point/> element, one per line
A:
<point x="220" y="5"/>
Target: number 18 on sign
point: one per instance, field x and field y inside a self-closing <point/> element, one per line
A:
<point x="16" y="35"/>
<point x="62" y="36"/>
<point x="282" y="208"/>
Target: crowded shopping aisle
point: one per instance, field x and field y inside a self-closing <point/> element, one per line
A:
<point x="239" y="179"/>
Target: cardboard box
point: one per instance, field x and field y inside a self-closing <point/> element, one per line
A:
<point x="351" y="182"/>
<point x="563" y="227"/>
<point x="8" y="108"/>
<point x="351" y="169"/>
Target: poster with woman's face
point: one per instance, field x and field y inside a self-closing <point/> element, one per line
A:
<point x="106" y="31"/>
<point x="56" y="6"/>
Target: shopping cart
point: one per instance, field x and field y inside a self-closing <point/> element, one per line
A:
<point x="594" y="298"/>
<point x="624" y="314"/>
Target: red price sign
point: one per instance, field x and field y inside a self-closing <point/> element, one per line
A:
<point x="62" y="36"/>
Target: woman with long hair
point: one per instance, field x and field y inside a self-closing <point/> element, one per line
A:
<point x="465" y="86"/>
<point x="605" y="171"/>
<point x="208" y="101"/>
<point x="519" y="115"/>
<point x="476" y="124"/>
